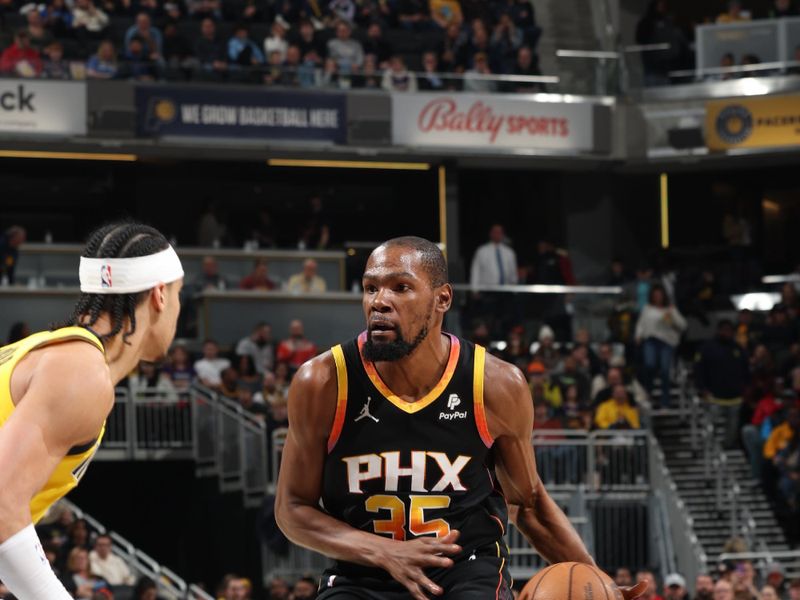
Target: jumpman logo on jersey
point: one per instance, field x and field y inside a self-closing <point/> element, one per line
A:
<point x="365" y="412"/>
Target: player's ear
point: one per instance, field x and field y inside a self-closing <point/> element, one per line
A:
<point x="444" y="298"/>
<point x="158" y="297"/>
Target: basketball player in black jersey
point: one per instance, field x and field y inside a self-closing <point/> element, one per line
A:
<point x="407" y="448"/>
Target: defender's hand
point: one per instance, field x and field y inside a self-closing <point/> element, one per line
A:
<point x="631" y="593"/>
<point x="406" y="562"/>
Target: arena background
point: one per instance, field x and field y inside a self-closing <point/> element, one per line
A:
<point x="632" y="152"/>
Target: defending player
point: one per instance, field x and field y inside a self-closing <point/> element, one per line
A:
<point x="411" y="438"/>
<point x="57" y="387"/>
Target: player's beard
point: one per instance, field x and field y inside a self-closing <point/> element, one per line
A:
<point x="393" y="350"/>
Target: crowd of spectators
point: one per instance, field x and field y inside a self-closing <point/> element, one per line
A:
<point x="661" y="25"/>
<point x="733" y="580"/>
<point x="401" y="45"/>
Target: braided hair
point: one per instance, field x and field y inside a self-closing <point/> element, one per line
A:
<point x="116" y="240"/>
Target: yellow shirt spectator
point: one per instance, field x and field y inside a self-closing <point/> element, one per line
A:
<point x="307" y="282"/>
<point x="617" y="410"/>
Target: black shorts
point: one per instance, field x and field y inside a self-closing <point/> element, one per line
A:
<point x="480" y="576"/>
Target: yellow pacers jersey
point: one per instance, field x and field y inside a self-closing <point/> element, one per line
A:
<point x="70" y="470"/>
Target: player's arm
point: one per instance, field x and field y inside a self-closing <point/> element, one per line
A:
<point x="64" y="404"/>
<point x="509" y="412"/>
<point x="312" y="407"/>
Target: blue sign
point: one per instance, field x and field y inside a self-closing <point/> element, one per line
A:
<point x="240" y="113"/>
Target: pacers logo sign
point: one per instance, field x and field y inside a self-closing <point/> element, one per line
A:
<point x="734" y="124"/>
<point x="753" y="122"/>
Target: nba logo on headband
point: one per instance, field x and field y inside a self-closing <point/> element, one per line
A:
<point x="105" y="276"/>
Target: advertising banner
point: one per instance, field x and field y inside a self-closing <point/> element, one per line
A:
<point x="481" y="121"/>
<point x="753" y="122"/>
<point x="42" y="107"/>
<point x="240" y="113"/>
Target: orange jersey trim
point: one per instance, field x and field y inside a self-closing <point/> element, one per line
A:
<point x="477" y="393"/>
<point x="341" y="396"/>
<point x="412" y="407"/>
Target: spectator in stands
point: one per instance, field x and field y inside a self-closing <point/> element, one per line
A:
<point x="674" y="587"/>
<point x="289" y="76"/>
<point x="179" y="369"/>
<point x="445" y="12"/>
<point x="613" y="379"/>
<point x="138" y="64"/>
<point x="413" y="14"/>
<point x="397" y="77"/>
<point x="283" y="377"/>
<point x="507" y="39"/>
<point x="779" y="438"/>
<point x="376" y="44"/>
<point x="178" y="53"/>
<point x="543" y="390"/>
<point x="149" y="381"/>
<point x="274" y="71"/>
<point x="658" y="27"/>
<point x="269" y="393"/>
<point x="430" y="80"/>
<point x="449" y="47"/>
<point x="658" y="331"/>
<point x="210" y="52"/>
<point x="623" y="577"/>
<point x="18" y="331"/>
<point x="703" y="587"/>
<point x="103" y="64"/>
<point x="527" y="65"/>
<point x="308" y="281"/>
<point x="782" y="8"/>
<point x="77" y="536"/>
<point x="723" y="590"/>
<point x="617" y="412"/>
<point x="209" y="368"/>
<point x="242" y="51"/>
<point x="307" y="39"/>
<point x="721" y="374"/>
<point x="57" y="17"/>
<point x="296" y="349"/>
<point x="20" y="59"/>
<point x="794" y="590"/>
<point x="768" y="593"/>
<point x="11" y="239"/>
<point x="477" y="43"/>
<point x="735" y="13"/>
<point x="40" y="36"/>
<point x="516" y="350"/>
<point x="209" y="277"/>
<point x="329" y="76"/>
<point x="776" y="577"/>
<point x="78" y="579"/>
<point x="572" y="373"/>
<point x="547" y="352"/>
<point x="494" y="263"/>
<point x="344" y="10"/>
<point x="650" y="593"/>
<point x="145" y="589"/>
<point x="276" y="41"/>
<point x="204" y="9"/>
<point x="229" y="384"/>
<point x="278" y="589"/>
<point x="150" y="36"/>
<point x="90" y="21"/>
<point x="787" y="462"/>
<point x="344" y="50"/>
<point x="259" y="279"/>
<point x="305" y="588"/>
<point x="315" y="232"/>
<point x="259" y="347"/>
<point x="370" y="77"/>
<point x="109" y="567"/>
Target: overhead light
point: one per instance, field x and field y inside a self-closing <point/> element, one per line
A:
<point x="759" y="301"/>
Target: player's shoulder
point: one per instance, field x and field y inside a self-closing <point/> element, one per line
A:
<point x="316" y="379"/>
<point x="502" y="375"/>
<point x="75" y="368"/>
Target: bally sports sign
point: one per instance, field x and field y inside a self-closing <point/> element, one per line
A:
<point x="482" y="121"/>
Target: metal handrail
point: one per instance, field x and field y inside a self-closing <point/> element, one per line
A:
<point x="541" y="289"/>
<point x="736" y="69"/>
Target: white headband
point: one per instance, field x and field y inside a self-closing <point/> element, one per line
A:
<point x="129" y="275"/>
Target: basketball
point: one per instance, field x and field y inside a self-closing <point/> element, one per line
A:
<point x="570" y="581"/>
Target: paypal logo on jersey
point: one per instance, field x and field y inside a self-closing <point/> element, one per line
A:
<point x="452" y="402"/>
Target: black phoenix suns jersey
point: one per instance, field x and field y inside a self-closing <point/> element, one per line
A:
<point x="409" y="469"/>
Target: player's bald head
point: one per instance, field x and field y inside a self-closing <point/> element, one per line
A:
<point x="430" y="256"/>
